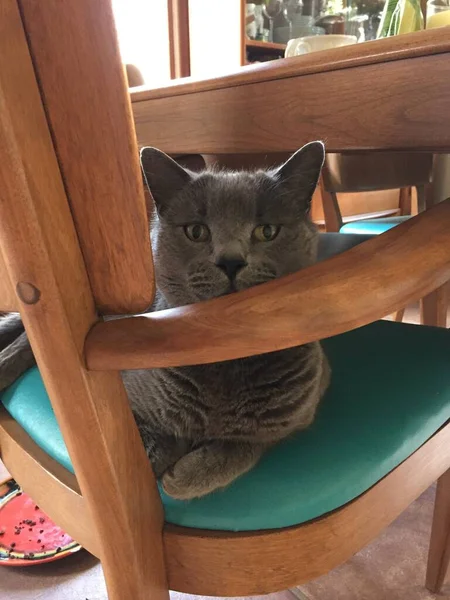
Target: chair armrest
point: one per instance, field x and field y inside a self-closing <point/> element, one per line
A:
<point x="347" y="291"/>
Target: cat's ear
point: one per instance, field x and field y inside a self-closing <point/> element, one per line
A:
<point x="300" y="174"/>
<point x="164" y="176"/>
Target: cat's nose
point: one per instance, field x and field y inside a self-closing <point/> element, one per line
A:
<point x="231" y="266"/>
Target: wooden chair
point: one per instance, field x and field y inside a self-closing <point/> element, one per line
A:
<point x="345" y="173"/>
<point x="74" y="244"/>
<point x="374" y="172"/>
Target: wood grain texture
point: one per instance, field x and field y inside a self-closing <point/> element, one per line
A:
<point x="423" y="43"/>
<point x="50" y="485"/>
<point x="242" y="564"/>
<point x="439" y="553"/>
<point x="38" y="237"/>
<point x="280" y="115"/>
<point x="178" y="12"/>
<point x="8" y="300"/>
<point x="265" y="160"/>
<point x="83" y="84"/>
<point x="308" y="305"/>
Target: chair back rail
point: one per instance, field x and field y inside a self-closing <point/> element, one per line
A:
<point x="309" y="305"/>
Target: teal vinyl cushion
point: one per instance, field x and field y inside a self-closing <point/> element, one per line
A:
<point x="373" y="226"/>
<point x="390" y="392"/>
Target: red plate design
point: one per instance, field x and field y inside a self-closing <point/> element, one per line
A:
<point x="27" y="535"/>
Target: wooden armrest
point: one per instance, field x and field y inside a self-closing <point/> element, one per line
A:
<point x="342" y="293"/>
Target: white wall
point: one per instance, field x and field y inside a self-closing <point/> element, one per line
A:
<point x="143" y="31"/>
<point x="215" y="37"/>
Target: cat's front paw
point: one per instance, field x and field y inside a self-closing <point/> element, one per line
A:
<point x="187" y="479"/>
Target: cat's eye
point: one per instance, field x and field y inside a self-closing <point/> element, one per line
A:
<point x="197" y="232"/>
<point x="266" y="233"/>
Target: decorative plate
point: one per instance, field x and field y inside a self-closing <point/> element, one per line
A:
<point x="27" y="536"/>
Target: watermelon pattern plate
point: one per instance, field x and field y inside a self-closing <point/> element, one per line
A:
<point x="27" y="535"/>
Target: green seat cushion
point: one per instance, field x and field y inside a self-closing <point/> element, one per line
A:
<point x="390" y="392"/>
<point x="28" y="403"/>
<point x="373" y="226"/>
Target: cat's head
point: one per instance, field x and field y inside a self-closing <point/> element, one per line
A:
<point x="221" y="231"/>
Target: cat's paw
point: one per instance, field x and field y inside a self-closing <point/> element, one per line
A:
<point x="188" y="478"/>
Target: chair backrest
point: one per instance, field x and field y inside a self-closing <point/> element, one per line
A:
<point x="74" y="237"/>
<point x="74" y="241"/>
<point x="375" y="171"/>
<point x="88" y="109"/>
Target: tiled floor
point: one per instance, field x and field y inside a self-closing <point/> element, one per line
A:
<point x="391" y="568"/>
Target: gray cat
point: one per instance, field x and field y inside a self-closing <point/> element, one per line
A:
<point x="215" y="233"/>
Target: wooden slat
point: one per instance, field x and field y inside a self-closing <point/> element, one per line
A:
<point x="311" y="304"/>
<point x="8" y="300"/>
<point x="243" y="564"/>
<point x="55" y="489"/>
<point x="82" y="81"/>
<point x="39" y="238"/>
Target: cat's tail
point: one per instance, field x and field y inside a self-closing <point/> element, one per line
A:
<point x="16" y="355"/>
<point x="11" y="327"/>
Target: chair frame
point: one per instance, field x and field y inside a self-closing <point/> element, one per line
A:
<point x="353" y="173"/>
<point x="348" y="173"/>
<point x="55" y="243"/>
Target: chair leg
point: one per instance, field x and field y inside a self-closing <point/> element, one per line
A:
<point x="404" y="201"/>
<point x="424" y="199"/>
<point x="434" y="307"/>
<point x="331" y="211"/>
<point x="398" y="316"/>
<point x="439" y="553"/>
